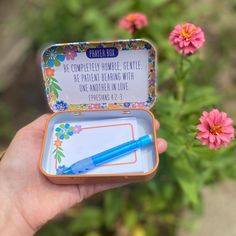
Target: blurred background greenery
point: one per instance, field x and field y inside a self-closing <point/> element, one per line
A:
<point x="152" y="208"/>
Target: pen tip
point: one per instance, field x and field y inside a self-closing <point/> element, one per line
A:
<point x="151" y="137"/>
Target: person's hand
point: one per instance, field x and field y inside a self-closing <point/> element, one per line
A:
<point x="28" y="200"/>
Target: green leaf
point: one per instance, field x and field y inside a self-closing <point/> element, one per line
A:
<point x="118" y="8"/>
<point x="57" y="63"/>
<point x="53" y="79"/>
<point x="51" y="88"/>
<point x="188" y="180"/>
<point x="55" y="92"/>
<point x="56" y="86"/>
<point x="62" y="126"/>
<point x="155" y="3"/>
<point x="60" y="153"/>
<point x="113" y="205"/>
<point x="131" y="218"/>
<point x="190" y="189"/>
<point x="89" y="218"/>
<point x="73" y="6"/>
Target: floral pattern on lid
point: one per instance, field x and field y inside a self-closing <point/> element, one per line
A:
<point x="54" y="55"/>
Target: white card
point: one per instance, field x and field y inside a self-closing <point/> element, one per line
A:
<point x="95" y="136"/>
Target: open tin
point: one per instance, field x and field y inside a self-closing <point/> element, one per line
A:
<point x="100" y="93"/>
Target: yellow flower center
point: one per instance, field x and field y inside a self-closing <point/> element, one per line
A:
<point x="188" y="32"/>
<point x="215" y="129"/>
<point x="131" y="18"/>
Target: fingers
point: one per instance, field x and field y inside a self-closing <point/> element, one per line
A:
<point x="86" y="191"/>
<point x="157" y="125"/>
<point x="39" y="123"/>
<point x="162" y="145"/>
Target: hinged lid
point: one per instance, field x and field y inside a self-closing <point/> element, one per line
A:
<point x="96" y="75"/>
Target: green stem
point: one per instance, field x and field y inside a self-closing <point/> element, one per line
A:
<point x="180" y="91"/>
<point x="180" y="81"/>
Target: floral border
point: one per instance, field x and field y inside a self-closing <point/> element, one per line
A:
<point x="54" y="55"/>
<point x="63" y="132"/>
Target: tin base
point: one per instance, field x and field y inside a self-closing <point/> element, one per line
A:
<point x="74" y="135"/>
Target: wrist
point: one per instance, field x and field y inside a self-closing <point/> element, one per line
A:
<point x="12" y="223"/>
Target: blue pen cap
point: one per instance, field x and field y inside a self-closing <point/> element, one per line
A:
<point x="145" y="140"/>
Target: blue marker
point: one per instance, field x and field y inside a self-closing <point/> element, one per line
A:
<point x="104" y="157"/>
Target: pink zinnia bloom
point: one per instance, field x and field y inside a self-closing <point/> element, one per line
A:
<point x="216" y="129"/>
<point x="133" y="22"/>
<point x="70" y="52"/>
<point x="187" y="38"/>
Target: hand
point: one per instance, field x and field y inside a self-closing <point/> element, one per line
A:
<point x="28" y="199"/>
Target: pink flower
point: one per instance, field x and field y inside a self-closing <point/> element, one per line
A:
<point x="133" y="22"/>
<point x="77" y="129"/>
<point x="94" y="106"/>
<point x="187" y="38"/>
<point x="70" y="52"/>
<point x="216" y="129"/>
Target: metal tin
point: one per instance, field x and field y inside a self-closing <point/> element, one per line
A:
<point x="92" y="82"/>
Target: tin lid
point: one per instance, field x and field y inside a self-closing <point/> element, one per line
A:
<point x="97" y="75"/>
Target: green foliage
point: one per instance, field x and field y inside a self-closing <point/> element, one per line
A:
<point x="53" y="86"/>
<point x="58" y="154"/>
<point x="5" y="127"/>
<point x="151" y="208"/>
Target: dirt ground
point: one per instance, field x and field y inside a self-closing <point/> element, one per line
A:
<point x="219" y="212"/>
